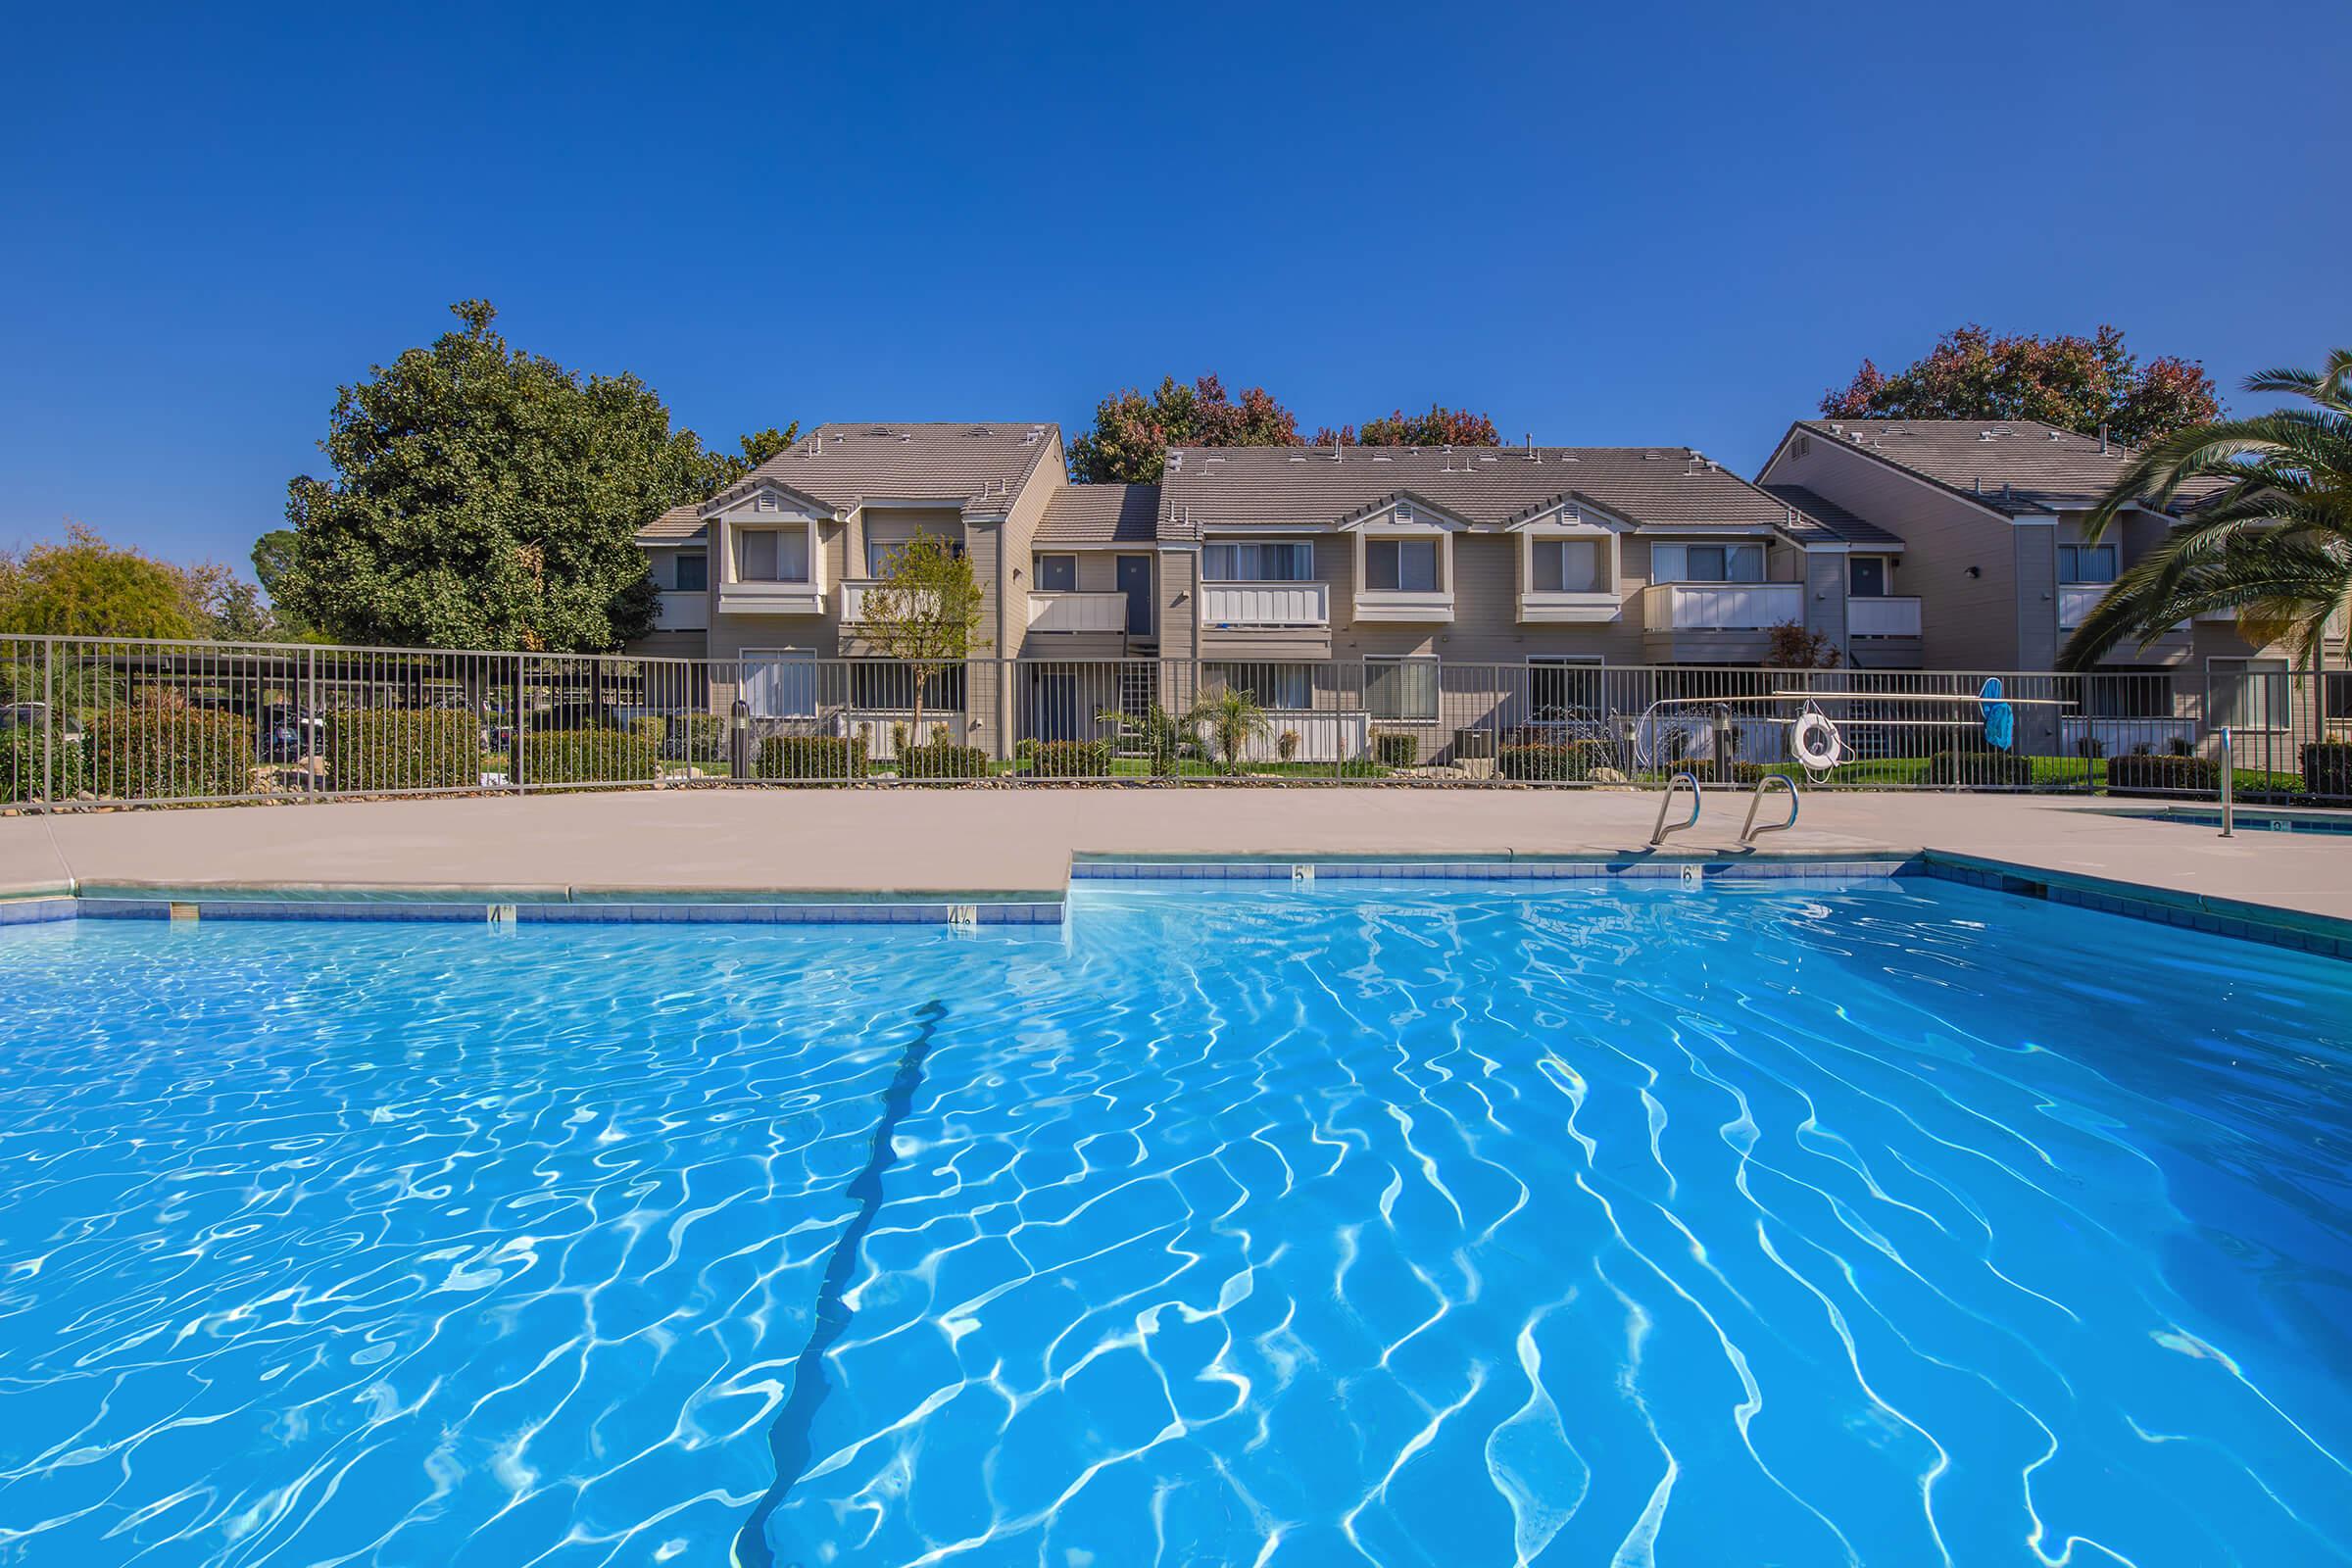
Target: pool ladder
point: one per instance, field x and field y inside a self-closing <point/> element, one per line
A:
<point x="1659" y="834"/>
<point x="1749" y="831"/>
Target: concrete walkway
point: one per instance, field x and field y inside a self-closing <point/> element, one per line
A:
<point x="999" y="843"/>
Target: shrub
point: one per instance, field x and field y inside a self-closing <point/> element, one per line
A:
<point x="1070" y="758"/>
<point x="160" y="751"/>
<point x="21" y="765"/>
<point x="942" y="759"/>
<point x="650" y="726"/>
<point x="812" y="757"/>
<point x="403" y="749"/>
<point x="2327" y="768"/>
<point x="1980" y="771"/>
<point x="2090" y="746"/>
<point x="1548" y="763"/>
<point x="2141" y="774"/>
<point x="697" y="738"/>
<point x="586" y="757"/>
<point x="2178" y="745"/>
<point x="1395" y="748"/>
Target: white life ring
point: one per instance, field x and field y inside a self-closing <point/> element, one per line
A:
<point x="1816" y="743"/>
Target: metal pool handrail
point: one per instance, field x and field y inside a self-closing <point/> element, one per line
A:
<point x="1749" y="831"/>
<point x="2229" y="785"/>
<point x="1659" y="834"/>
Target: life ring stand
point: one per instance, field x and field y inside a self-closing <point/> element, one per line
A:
<point x="1815" y="742"/>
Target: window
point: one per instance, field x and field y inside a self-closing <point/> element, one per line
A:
<point x="2086" y="563"/>
<point x="1258" y="562"/>
<point x="1568" y="567"/>
<point x="771" y="554"/>
<point x="694" y="573"/>
<point x="2246" y="693"/>
<point x="779" y="683"/>
<point x="1400" y="566"/>
<point x="2128" y="693"/>
<point x="1707" y="563"/>
<point x="1277" y="687"/>
<point x="889" y="686"/>
<point x="1400" y="688"/>
<point x="1057" y="574"/>
<point x="2335" y="688"/>
<point x="884" y="541"/>
<point x="1561" y="684"/>
<point x="1866" y="576"/>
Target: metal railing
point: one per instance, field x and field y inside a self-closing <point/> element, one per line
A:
<point x="116" y="722"/>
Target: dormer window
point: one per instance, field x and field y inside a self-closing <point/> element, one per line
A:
<point x="1400" y="566"/>
<point x="771" y="554"/>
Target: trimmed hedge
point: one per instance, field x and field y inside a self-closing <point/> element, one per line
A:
<point x="21" y="765"/>
<point x="1394" y="748"/>
<point x="2141" y="774"/>
<point x="1070" y="759"/>
<point x="1550" y="761"/>
<point x="2328" y="768"/>
<point x="403" y="749"/>
<point x="942" y="760"/>
<point x="587" y="756"/>
<point x="812" y="757"/>
<point x="155" y="752"/>
<point x="696" y="738"/>
<point x="1978" y="770"/>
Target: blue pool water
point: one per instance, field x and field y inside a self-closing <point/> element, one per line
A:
<point x="1894" y="1223"/>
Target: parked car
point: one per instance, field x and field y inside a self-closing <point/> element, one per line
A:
<point x="29" y="715"/>
<point x="286" y="734"/>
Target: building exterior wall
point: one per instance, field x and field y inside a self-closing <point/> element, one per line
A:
<point x="1965" y="622"/>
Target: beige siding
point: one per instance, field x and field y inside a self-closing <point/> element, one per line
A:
<point x="1965" y="622"/>
<point x="1009" y="608"/>
<point x="2035" y="552"/>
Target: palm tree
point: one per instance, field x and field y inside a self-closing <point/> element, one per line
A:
<point x="2270" y="539"/>
<point x="1233" y="715"/>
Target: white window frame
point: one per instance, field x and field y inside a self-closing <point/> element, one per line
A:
<point x="1600" y="602"/>
<point x="1398" y="662"/>
<point x="779" y="658"/>
<point x="1397" y="539"/>
<point x="738" y="532"/>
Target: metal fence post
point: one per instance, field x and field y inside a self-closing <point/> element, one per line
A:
<point x="2229" y="785"/>
<point x="48" y="722"/>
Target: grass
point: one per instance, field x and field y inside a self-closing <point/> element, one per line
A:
<point x="2085" y="775"/>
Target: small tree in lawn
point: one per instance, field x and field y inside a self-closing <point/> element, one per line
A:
<point x="1233" y="717"/>
<point x="925" y="612"/>
<point x="1792" y="647"/>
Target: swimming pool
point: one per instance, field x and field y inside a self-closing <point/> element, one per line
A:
<point x="1892" y="1222"/>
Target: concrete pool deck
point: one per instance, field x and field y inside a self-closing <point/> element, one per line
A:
<point x="1020" y="844"/>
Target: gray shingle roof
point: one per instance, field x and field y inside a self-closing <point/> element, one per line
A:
<point x="2014" y="466"/>
<point x="1840" y="523"/>
<point x="976" y="467"/>
<point x="1100" y="515"/>
<point x="1661" y="488"/>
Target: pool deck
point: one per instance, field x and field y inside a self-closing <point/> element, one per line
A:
<point x="1015" y="844"/>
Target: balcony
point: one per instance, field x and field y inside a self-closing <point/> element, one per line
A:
<point x="1881" y="618"/>
<point x="1076" y="612"/>
<point x="1265" y="605"/>
<point x="853" y="594"/>
<point x="686" y="611"/>
<point x="770" y="598"/>
<point x="1721" y="606"/>
<point x="1538" y="605"/>
<point x="1402" y="605"/>
<point x="2075" y="601"/>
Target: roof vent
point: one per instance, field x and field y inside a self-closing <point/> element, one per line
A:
<point x="816" y="444"/>
<point x="880" y="430"/>
<point x="1381" y="456"/>
<point x="1490" y="460"/>
<point x="1294" y="460"/>
<point x="1405" y="512"/>
<point x="979" y="430"/>
<point x="1175" y="463"/>
<point x="1983" y="436"/>
<point x="1216" y="460"/>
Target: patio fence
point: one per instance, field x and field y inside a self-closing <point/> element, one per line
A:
<point x="100" y="722"/>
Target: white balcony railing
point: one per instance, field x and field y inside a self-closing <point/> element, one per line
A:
<point x="1396" y="603"/>
<point x="682" y="609"/>
<point x="1076" y="612"/>
<point x="1881" y="618"/>
<point x="1265" y="604"/>
<point x="853" y="594"/>
<point x="2077" y="600"/>
<point x="1721" y="607"/>
<point x="770" y="598"/>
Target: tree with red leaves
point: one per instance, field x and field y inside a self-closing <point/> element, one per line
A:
<point x="1439" y="427"/>
<point x="1131" y="435"/>
<point x="2077" y="383"/>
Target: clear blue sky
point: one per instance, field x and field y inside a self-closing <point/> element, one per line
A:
<point x="1631" y="222"/>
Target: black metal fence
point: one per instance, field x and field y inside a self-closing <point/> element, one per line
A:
<point x="110" y="723"/>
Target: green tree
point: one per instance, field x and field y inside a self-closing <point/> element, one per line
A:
<point x="85" y="587"/>
<point x="2268" y="535"/>
<point x="1129" y="440"/>
<point x="1439" y="427"/>
<point x="487" y="498"/>
<point x="924" y="612"/>
<point x="721" y="470"/>
<point x="2076" y="383"/>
